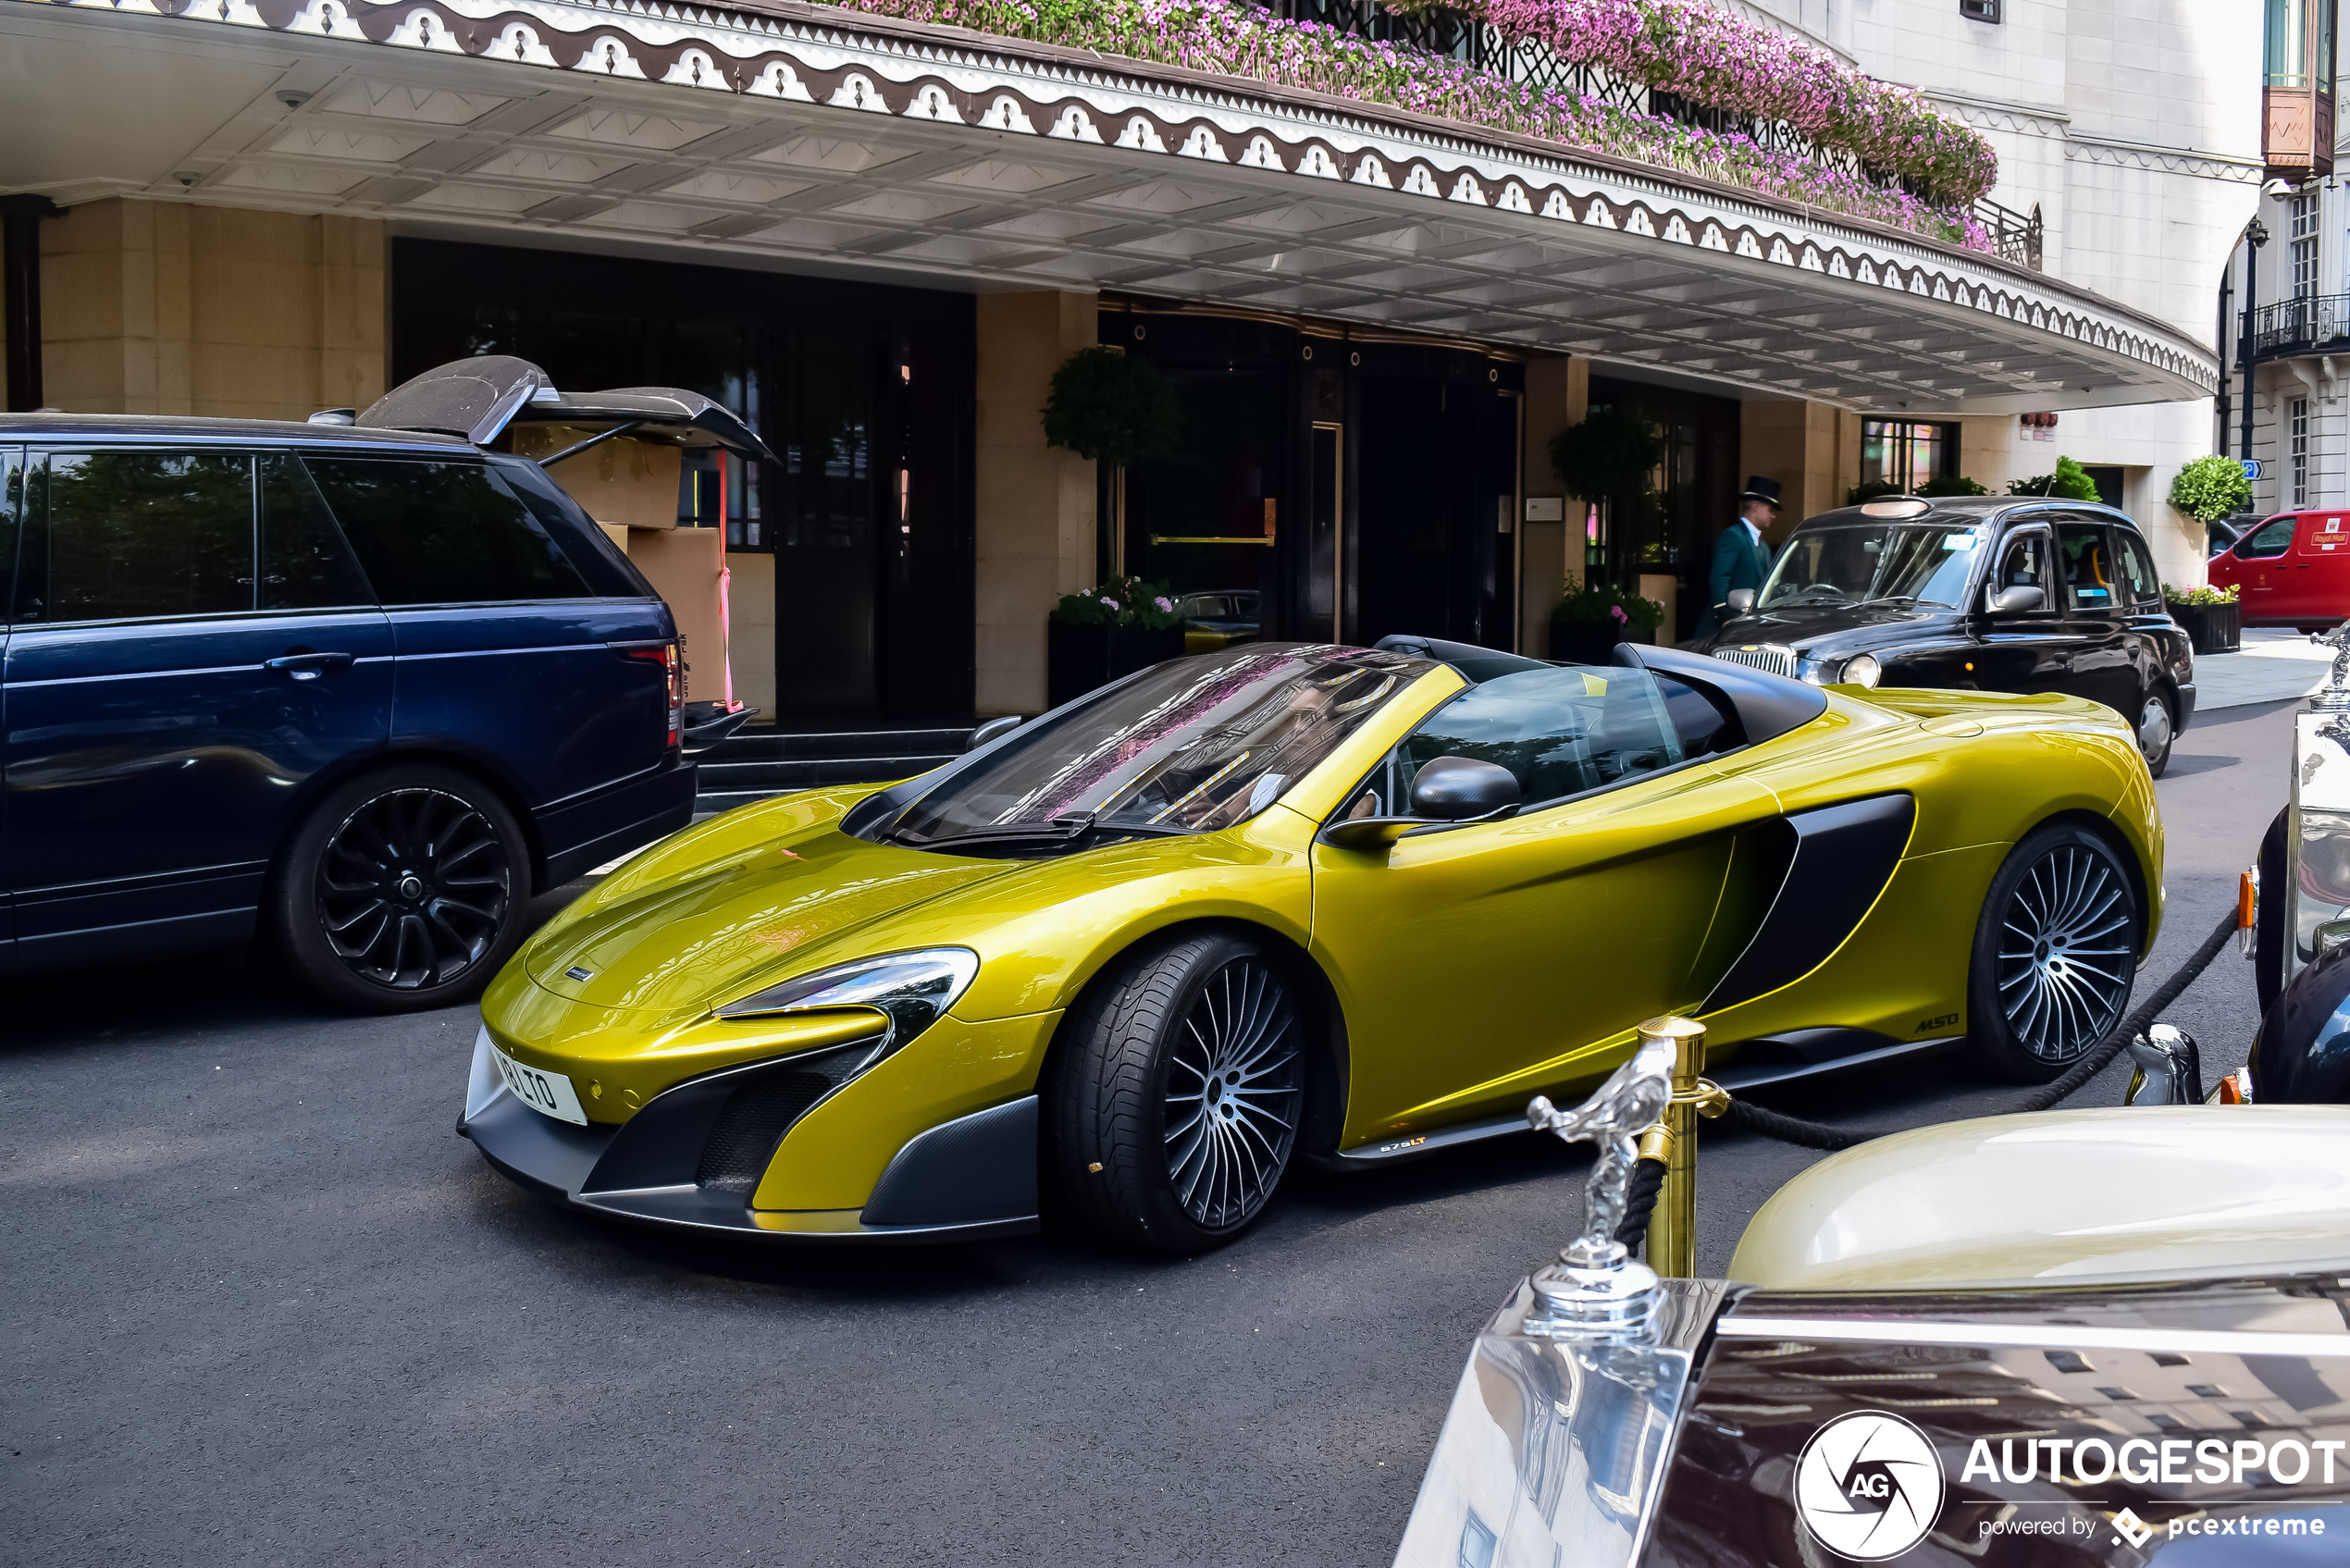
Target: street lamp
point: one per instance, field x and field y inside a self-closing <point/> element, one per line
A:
<point x="2255" y="234"/>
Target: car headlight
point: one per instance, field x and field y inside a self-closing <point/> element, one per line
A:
<point x="913" y="989"/>
<point x="1862" y="670"/>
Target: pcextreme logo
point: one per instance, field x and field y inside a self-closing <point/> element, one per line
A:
<point x="1868" y="1486"/>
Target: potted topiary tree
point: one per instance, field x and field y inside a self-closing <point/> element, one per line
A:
<point x="1092" y="638"/>
<point x="2071" y="482"/>
<point x="1111" y="408"/>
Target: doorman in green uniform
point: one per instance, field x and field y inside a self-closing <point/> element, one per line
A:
<point x="1741" y="559"/>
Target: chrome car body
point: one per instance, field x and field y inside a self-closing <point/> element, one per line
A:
<point x="2045" y="1339"/>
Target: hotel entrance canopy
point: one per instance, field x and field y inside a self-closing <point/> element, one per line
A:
<point x="797" y="137"/>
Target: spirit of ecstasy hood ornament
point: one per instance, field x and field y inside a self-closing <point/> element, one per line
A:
<point x="2334" y="696"/>
<point x="1594" y="1282"/>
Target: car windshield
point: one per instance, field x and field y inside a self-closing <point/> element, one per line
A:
<point x="1921" y="563"/>
<point x="1189" y="746"/>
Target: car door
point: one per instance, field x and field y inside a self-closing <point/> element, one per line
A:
<point x="190" y="642"/>
<point x="11" y="494"/>
<point x="2320" y="574"/>
<point x="2258" y="568"/>
<point x="1482" y="964"/>
<point x="2099" y="665"/>
<point x="2152" y="633"/>
<point x="505" y="653"/>
<point x="2023" y="650"/>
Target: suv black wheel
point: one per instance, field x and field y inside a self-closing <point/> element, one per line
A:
<point x="2156" y="731"/>
<point x="402" y="889"/>
<point x="1176" y="1094"/>
<point x="2055" y="955"/>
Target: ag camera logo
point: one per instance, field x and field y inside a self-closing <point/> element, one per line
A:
<point x="1868" y="1486"/>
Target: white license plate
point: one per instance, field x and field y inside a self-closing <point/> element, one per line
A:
<point x="546" y="1091"/>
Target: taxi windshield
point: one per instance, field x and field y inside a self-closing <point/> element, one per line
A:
<point x="1190" y="747"/>
<point x="1911" y="563"/>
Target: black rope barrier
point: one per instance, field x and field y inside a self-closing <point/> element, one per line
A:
<point x="1639" y="1202"/>
<point x="1819" y="1135"/>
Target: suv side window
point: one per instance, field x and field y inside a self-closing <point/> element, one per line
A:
<point x="305" y="564"/>
<point x="2138" y="568"/>
<point x="442" y="533"/>
<point x="2272" y="538"/>
<point x="131" y="535"/>
<point x="2089" y="572"/>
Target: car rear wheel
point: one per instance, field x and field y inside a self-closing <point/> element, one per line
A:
<point x="1177" y="1092"/>
<point x="2155" y="732"/>
<point x="402" y="890"/>
<point x="2055" y="955"/>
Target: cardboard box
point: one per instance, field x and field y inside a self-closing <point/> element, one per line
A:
<point x="687" y="568"/>
<point x="625" y="482"/>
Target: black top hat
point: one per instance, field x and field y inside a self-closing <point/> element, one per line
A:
<point x="1759" y="489"/>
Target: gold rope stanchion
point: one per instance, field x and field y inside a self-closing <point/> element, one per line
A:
<point x="1672" y="1234"/>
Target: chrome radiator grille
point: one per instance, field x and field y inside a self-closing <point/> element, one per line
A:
<point x="1779" y="661"/>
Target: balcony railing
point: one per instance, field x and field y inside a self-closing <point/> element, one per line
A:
<point x="2015" y="237"/>
<point x="2311" y="324"/>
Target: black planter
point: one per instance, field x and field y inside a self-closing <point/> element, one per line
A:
<point x="2212" y="628"/>
<point x="1593" y="642"/>
<point x="1078" y="658"/>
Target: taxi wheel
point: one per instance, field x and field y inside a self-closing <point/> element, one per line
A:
<point x="1176" y="1094"/>
<point x="2155" y="732"/>
<point x="403" y="889"/>
<point x="2055" y="955"/>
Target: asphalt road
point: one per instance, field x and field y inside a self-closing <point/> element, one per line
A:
<point x="261" y="1305"/>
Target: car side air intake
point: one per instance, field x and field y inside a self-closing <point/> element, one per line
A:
<point x="1844" y="855"/>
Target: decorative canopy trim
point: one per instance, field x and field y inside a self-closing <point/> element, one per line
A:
<point x="859" y="69"/>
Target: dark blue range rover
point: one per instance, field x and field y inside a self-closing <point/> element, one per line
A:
<point x="359" y="692"/>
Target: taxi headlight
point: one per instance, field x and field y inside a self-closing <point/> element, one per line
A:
<point x="913" y="989"/>
<point x="1862" y="670"/>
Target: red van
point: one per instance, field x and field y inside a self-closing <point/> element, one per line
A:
<point x="2293" y="570"/>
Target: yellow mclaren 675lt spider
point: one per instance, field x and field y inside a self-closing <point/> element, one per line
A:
<point x="1132" y="960"/>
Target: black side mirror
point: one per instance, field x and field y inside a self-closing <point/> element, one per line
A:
<point x="992" y="729"/>
<point x="1460" y="789"/>
<point x="1447" y="792"/>
<point x="1741" y="601"/>
<point x="2016" y="600"/>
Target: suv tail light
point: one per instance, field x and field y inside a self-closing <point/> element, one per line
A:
<point x="673" y="674"/>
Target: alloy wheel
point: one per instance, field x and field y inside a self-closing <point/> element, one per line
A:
<point x="413" y="888"/>
<point x="2064" y="952"/>
<point x="1234" y="1081"/>
<point x="2153" y="730"/>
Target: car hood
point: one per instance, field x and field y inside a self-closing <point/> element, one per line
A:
<point x="684" y="943"/>
<point x="1840" y="629"/>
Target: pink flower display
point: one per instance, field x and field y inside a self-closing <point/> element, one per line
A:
<point x="1684" y="47"/>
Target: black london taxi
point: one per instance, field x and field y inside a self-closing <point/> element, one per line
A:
<point x="1977" y="594"/>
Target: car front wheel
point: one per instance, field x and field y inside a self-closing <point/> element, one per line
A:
<point x="1176" y="1094"/>
<point x="2055" y="955"/>
<point x="402" y="890"/>
<point x="2155" y="732"/>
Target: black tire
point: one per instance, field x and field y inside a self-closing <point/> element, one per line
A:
<point x="2156" y="726"/>
<point x="1136" y="1153"/>
<point x="2055" y="955"/>
<point x="2267" y="920"/>
<point x="404" y="888"/>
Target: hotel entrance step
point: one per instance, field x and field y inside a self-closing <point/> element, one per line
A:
<point x="753" y="764"/>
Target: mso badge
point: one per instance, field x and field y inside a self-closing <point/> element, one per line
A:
<point x="1868" y="1486"/>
